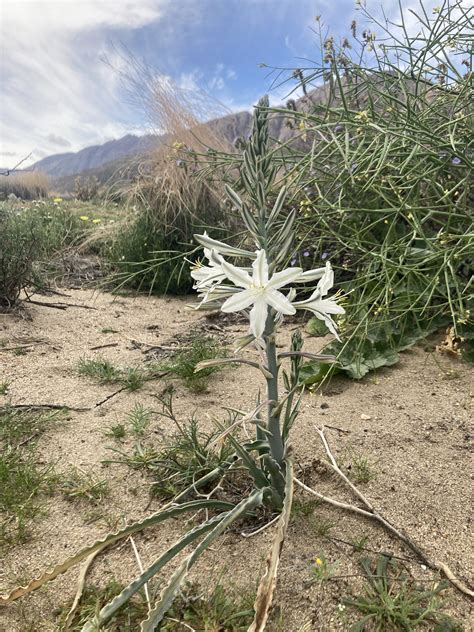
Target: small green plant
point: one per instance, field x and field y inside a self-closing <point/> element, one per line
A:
<point x="205" y="611"/>
<point x="100" y="369"/>
<point x="22" y="480"/>
<point x="359" y="544"/>
<point x="79" y="484"/>
<point x="321" y="527"/>
<point x="139" y="419"/>
<point x="195" y="609"/>
<point x="361" y="469"/>
<point x="183" y="364"/>
<point x="108" y="330"/>
<point x="393" y="601"/>
<point x="103" y="370"/>
<point x="322" y="570"/>
<point x="4" y="387"/>
<point x="22" y="483"/>
<point x="304" y="507"/>
<point x="133" y="378"/>
<point x="117" y="431"/>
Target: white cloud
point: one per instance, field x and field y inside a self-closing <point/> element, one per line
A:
<point x="54" y="83"/>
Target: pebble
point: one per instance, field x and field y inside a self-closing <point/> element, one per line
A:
<point x="365" y="417"/>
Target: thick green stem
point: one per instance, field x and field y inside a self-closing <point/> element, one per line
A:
<point x="277" y="449"/>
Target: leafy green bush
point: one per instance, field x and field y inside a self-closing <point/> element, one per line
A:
<point x="380" y="165"/>
<point x="169" y="204"/>
<point x="386" y="192"/>
<point x="31" y="236"/>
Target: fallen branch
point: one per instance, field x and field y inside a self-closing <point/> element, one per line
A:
<point x="46" y="406"/>
<point x="59" y="305"/>
<point x="110" y="344"/>
<point x="370" y="512"/>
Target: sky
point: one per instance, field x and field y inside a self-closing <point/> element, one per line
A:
<point x="62" y="61"/>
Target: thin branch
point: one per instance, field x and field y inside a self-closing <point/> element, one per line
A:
<point x="9" y="171"/>
<point x="371" y="513"/>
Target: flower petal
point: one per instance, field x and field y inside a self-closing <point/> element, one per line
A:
<point x="311" y="275"/>
<point x="279" y="302"/>
<point x="330" y="324"/>
<point x="221" y="247"/>
<point x="237" y="275"/>
<point x="279" y="279"/>
<point x="258" y="317"/>
<point x="260" y="269"/>
<point x="239" y="301"/>
<point x="327" y="280"/>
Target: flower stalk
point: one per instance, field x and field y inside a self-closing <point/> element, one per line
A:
<point x="267" y="295"/>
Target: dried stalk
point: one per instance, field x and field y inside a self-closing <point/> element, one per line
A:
<point x="370" y="512"/>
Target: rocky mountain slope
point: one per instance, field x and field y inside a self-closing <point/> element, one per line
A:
<point x="111" y="160"/>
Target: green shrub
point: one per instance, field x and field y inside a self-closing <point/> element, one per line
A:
<point x="32" y="236"/>
<point x="169" y="204"/>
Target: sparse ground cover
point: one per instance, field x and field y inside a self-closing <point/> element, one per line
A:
<point x="402" y="434"/>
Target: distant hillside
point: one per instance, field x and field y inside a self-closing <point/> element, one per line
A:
<point x="116" y="159"/>
<point x="92" y="157"/>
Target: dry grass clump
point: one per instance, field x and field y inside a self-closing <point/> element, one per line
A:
<point x="27" y="185"/>
<point x="167" y="200"/>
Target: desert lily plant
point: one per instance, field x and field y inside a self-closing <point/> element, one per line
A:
<point x="254" y="283"/>
<point x="257" y="286"/>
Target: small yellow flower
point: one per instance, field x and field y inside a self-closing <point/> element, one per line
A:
<point x="57" y="200"/>
<point x="96" y="221"/>
<point x="318" y="561"/>
<point x="84" y="218"/>
<point x="362" y="116"/>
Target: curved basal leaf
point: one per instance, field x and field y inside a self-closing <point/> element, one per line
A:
<point x="117" y="602"/>
<point x="169" y="593"/>
<point x="111" y="538"/>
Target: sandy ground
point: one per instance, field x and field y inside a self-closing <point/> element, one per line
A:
<point x="412" y="423"/>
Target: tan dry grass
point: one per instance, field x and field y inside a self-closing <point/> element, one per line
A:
<point x="27" y="185"/>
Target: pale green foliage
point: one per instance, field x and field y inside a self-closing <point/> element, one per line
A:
<point x="393" y="601"/>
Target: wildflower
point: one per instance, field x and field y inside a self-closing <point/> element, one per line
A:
<point x="57" y="200"/>
<point x="325" y="255"/>
<point x="206" y="276"/>
<point x="318" y="561"/>
<point x="259" y="291"/>
<point x="306" y="253"/>
<point x="96" y="220"/>
<point x="322" y="308"/>
<point x="84" y="218"/>
<point x="362" y="116"/>
<point x="456" y="160"/>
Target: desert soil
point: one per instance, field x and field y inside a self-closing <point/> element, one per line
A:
<point x="411" y="422"/>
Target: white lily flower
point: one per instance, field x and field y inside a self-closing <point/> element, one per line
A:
<point x="322" y="308"/>
<point x="206" y="276"/>
<point x="259" y="291"/>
